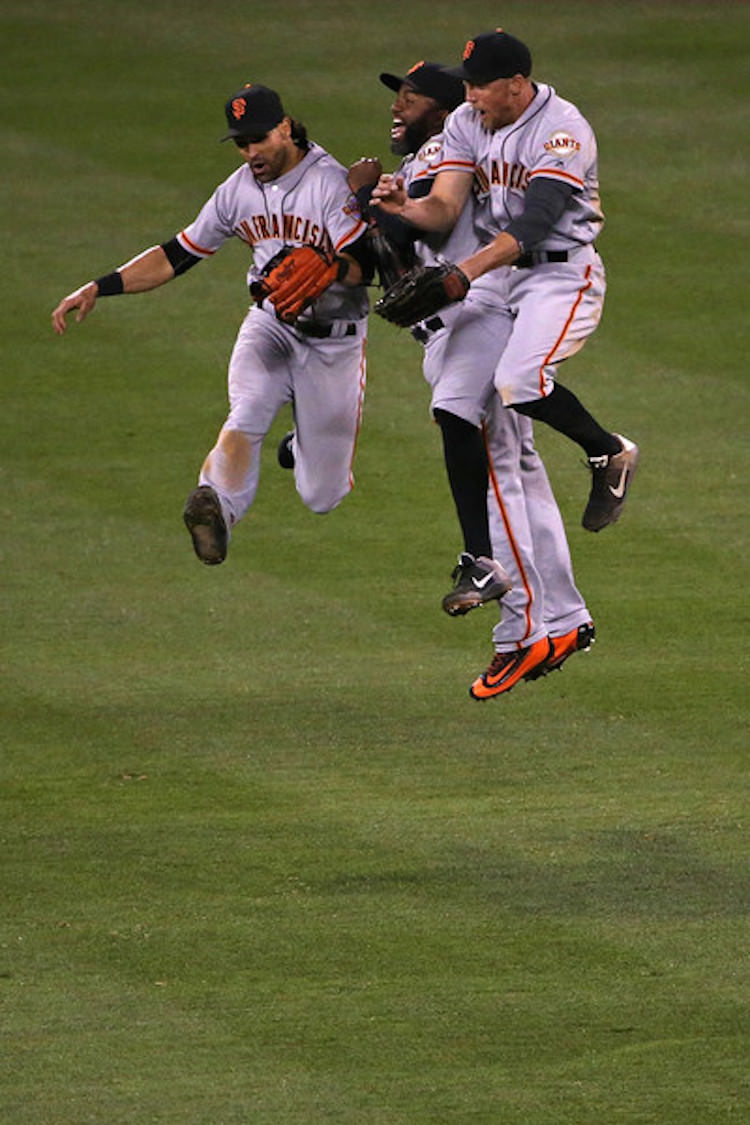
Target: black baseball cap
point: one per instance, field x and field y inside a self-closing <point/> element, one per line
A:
<point x="432" y="80"/>
<point x="252" y="112"/>
<point x="491" y="55"/>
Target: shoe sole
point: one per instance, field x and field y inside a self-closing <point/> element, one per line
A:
<point x="205" y="522"/>
<point x="456" y="605"/>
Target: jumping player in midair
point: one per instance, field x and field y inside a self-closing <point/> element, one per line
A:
<point x="288" y="192"/>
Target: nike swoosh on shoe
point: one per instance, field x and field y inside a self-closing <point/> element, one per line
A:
<point x="619" y="492"/>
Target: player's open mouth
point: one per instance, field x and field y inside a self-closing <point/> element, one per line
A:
<point x="398" y="128"/>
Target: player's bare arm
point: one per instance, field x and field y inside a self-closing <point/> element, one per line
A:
<point x="437" y="211"/>
<point x="147" y="270"/>
<point x="502" y="251"/>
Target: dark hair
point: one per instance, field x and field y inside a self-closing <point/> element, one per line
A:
<point x="299" y="135"/>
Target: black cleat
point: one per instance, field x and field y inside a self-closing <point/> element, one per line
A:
<point x="205" y="522"/>
<point x="477" y="581"/>
<point x="284" y="452"/>
<point x="610" y="480"/>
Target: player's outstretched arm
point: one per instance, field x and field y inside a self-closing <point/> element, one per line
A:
<point x="437" y="211"/>
<point x="146" y="271"/>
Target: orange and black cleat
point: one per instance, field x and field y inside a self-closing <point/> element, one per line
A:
<point x="577" y="640"/>
<point x="508" y="668"/>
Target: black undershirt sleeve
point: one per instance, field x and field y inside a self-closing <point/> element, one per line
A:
<point x="546" y="199"/>
<point x="361" y="251"/>
<point x="180" y="259"/>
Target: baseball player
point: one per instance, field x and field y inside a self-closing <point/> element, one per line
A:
<point x="424" y="97"/>
<point x="302" y="342"/>
<point x="523" y="544"/>
<point x="534" y="156"/>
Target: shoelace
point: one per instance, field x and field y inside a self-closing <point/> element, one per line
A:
<point x="500" y="660"/>
<point x="598" y="462"/>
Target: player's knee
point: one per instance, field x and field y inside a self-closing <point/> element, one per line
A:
<point x="321" y="501"/>
<point x="321" y="507"/>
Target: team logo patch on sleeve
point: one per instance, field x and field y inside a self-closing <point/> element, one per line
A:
<point x="351" y="207"/>
<point x="562" y="144"/>
<point x="429" y="151"/>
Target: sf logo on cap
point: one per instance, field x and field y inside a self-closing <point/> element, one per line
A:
<point x="238" y="108"/>
<point x="468" y="49"/>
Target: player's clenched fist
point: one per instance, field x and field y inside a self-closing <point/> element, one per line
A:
<point x="82" y="299"/>
<point x="365" y="172"/>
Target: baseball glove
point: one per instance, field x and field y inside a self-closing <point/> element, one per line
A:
<point x="294" y="278"/>
<point x="421" y="292"/>
<point x="392" y="260"/>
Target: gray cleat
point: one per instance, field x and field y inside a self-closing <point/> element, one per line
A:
<point x="478" y="581"/>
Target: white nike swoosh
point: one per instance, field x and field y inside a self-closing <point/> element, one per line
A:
<point x="480" y="583"/>
<point x="619" y="492"/>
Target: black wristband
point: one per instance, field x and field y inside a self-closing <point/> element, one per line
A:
<point x="363" y="199"/>
<point x="110" y="285"/>
<point x="344" y="265"/>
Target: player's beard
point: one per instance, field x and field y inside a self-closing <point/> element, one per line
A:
<point x="412" y="139"/>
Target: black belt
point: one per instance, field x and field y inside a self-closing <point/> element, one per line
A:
<point x="322" y="331"/>
<point x="434" y="324"/>
<point x="538" y="257"/>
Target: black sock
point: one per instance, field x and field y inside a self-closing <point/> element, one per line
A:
<point x="466" y="465"/>
<point x="563" y="412"/>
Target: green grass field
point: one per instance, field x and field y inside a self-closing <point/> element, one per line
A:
<point x="263" y="860"/>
